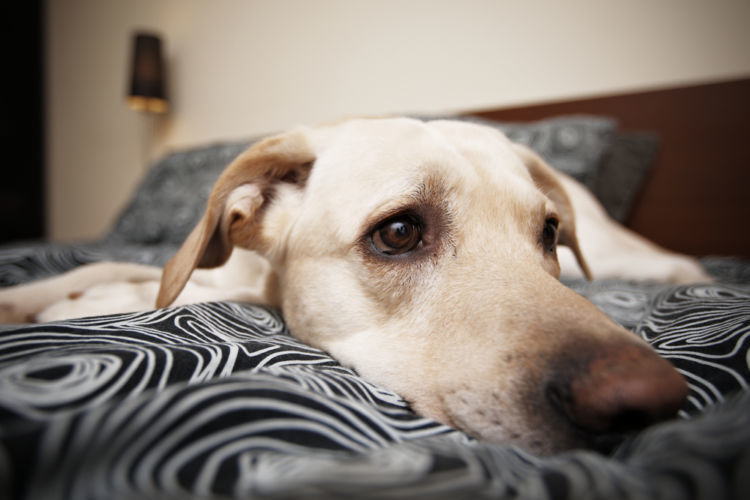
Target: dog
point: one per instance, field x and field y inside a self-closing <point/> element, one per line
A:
<point x="425" y="256"/>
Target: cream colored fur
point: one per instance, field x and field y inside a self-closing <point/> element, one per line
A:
<point x="465" y="328"/>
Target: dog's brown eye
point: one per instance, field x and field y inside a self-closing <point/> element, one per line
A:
<point x="549" y="234"/>
<point x="397" y="236"/>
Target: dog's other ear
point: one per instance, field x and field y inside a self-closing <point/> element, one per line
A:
<point x="547" y="182"/>
<point x="235" y="207"/>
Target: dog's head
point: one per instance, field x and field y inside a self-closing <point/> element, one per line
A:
<point x="424" y="256"/>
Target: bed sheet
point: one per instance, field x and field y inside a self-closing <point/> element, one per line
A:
<point x="218" y="400"/>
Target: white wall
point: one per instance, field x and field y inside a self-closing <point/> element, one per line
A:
<point x="241" y="67"/>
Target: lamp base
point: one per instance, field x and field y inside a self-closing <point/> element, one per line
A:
<point x="148" y="104"/>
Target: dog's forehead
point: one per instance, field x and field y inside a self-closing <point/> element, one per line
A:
<point x="368" y="162"/>
<point x="403" y="143"/>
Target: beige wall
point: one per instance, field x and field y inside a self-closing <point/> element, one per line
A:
<point x="241" y="67"/>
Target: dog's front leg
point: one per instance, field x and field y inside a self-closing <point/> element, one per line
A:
<point x="23" y="303"/>
<point x="614" y="251"/>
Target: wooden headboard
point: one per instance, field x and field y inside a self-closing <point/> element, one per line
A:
<point x="696" y="200"/>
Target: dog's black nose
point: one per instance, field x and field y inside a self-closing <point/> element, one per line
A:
<point x="620" y="390"/>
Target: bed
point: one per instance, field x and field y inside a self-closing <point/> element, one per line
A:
<point x="218" y="400"/>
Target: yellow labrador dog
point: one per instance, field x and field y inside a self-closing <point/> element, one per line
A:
<point x="425" y="256"/>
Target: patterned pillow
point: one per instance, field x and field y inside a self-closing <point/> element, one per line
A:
<point x="612" y="164"/>
<point x="575" y="145"/>
<point x="623" y="170"/>
<point x="172" y="196"/>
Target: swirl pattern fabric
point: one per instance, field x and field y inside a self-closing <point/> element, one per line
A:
<point x="218" y="401"/>
<point x="705" y="332"/>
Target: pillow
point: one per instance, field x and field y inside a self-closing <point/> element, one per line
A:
<point x="623" y="171"/>
<point x="610" y="163"/>
<point x="575" y="145"/>
<point x="172" y="196"/>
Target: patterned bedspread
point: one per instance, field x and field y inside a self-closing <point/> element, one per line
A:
<point x="217" y="400"/>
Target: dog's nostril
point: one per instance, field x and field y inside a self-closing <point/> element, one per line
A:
<point x="631" y="420"/>
<point x="558" y="395"/>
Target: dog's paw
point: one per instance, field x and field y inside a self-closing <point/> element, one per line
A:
<point x="683" y="270"/>
<point x="10" y="313"/>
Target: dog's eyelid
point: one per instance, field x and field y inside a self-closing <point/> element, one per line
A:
<point x="551" y="215"/>
<point x="381" y="217"/>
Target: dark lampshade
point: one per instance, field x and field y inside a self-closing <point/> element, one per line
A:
<point x="147" y="79"/>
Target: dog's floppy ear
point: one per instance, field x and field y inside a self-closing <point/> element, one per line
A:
<point x="235" y="207"/>
<point x="548" y="183"/>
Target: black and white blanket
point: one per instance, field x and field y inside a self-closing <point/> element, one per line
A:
<point x="217" y="400"/>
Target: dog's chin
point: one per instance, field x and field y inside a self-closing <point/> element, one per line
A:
<point x="546" y="442"/>
<point x="540" y="430"/>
